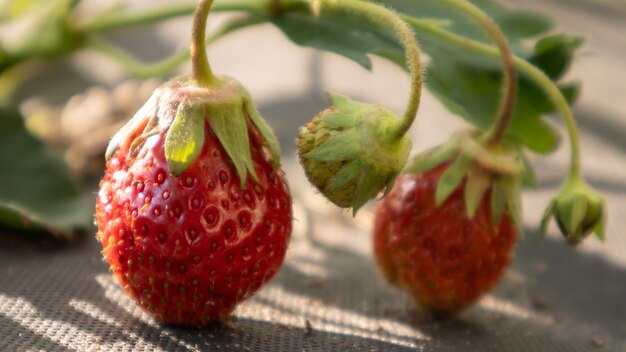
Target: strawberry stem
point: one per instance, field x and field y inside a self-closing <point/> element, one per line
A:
<point x="568" y="117"/>
<point x="200" y="64"/>
<point x="388" y="18"/>
<point x="530" y="71"/>
<point x="496" y="133"/>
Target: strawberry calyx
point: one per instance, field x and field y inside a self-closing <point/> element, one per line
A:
<point x="487" y="170"/>
<point x="350" y="152"/>
<point x="179" y="108"/>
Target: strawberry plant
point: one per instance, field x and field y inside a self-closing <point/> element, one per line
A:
<point x="194" y="212"/>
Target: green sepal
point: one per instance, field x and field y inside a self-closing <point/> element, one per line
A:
<point x="266" y="132"/>
<point x="573" y="214"/>
<point x="348" y="173"/>
<point x="501" y="161"/>
<point x="432" y="158"/>
<point x="510" y="187"/>
<point x="366" y="189"/>
<point x="345" y="104"/>
<point x="185" y="138"/>
<point x="498" y="203"/>
<point x="389" y="186"/>
<point x="528" y="173"/>
<point x="475" y="187"/>
<point x="600" y="229"/>
<point x="545" y="220"/>
<point x="228" y="122"/>
<point x="340" y="146"/>
<point x="147" y="110"/>
<point x="451" y="178"/>
<point x="340" y="120"/>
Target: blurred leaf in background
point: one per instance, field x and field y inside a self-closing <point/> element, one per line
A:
<point x="15" y="8"/>
<point x="37" y="192"/>
<point x="466" y="82"/>
<point x="465" y="79"/>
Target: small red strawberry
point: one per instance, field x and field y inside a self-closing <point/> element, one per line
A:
<point x="445" y="232"/>
<point x="443" y="258"/>
<point x="194" y="213"/>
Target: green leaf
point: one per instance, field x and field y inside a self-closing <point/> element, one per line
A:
<point x="37" y="192"/>
<point x="185" y="138"/>
<point x="478" y="90"/>
<point x="528" y="174"/>
<point x="451" y="178"/>
<point x="467" y="83"/>
<point x="571" y="91"/>
<point x="554" y="54"/>
<point x="523" y="24"/>
<point x="348" y="35"/>
<point x="516" y="24"/>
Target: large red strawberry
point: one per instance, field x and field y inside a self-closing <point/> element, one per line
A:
<point x="194" y="213"/>
<point x="189" y="247"/>
<point x="443" y="238"/>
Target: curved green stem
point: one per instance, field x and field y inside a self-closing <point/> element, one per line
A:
<point x="529" y="70"/>
<point x="387" y="18"/>
<point x="125" y="19"/>
<point x="12" y="78"/>
<point x="163" y="67"/>
<point x="561" y="104"/>
<point x="201" y="70"/>
<point x="136" y="68"/>
<point x="496" y="133"/>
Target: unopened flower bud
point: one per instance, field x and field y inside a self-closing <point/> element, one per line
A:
<point x="578" y="210"/>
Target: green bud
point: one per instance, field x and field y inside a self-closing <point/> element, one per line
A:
<point x="578" y="210"/>
<point x="350" y="153"/>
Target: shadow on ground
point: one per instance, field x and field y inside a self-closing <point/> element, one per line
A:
<point x="53" y="300"/>
<point x="573" y="302"/>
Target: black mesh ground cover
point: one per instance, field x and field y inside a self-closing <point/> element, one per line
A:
<point x="327" y="297"/>
<point x="553" y="298"/>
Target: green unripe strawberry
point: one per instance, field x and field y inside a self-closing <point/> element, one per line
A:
<point x="350" y="153"/>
